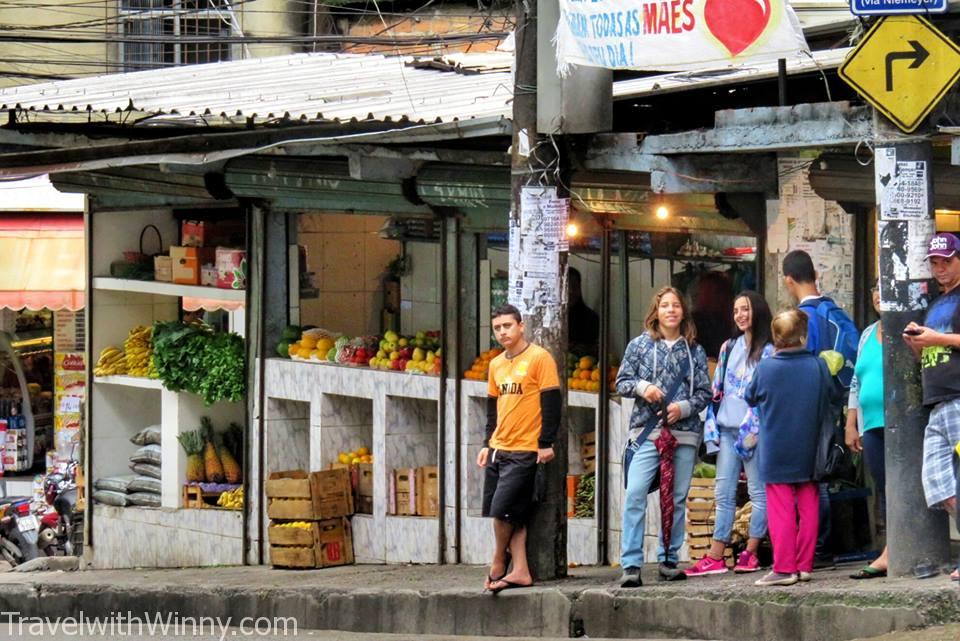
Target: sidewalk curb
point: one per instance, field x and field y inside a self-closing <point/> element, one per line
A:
<point x="720" y="612"/>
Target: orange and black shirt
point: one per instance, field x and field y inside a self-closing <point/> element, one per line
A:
<point x="523" y="406"/>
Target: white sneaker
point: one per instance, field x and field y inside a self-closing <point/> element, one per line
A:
<point x="776" y="578"/>
<point x="805" y="576"/>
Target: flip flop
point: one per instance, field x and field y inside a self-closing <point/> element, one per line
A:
<point x="869" y="572"/>
<point x="510" y="585"/>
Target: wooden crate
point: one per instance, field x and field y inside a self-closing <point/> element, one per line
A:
<point x="364" y="486"/>
<point x="695" y="530"/>
<point x="293" y="557"/>
<point x="363" y="505"/>
<point x="405" y="480"/>
<point x="589" y="465"/>
<point x="428" y="491"/>
<point x="298" y="496"/>
<point x="334" y="543"/>
<point x="293" y="536"/>
<point x="193" y="497"/>
<point x="701" y="489"/>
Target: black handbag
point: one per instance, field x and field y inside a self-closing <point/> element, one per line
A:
<point x="831" y="448"/>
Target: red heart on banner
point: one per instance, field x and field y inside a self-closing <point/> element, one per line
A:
<point x="737" y="23"/>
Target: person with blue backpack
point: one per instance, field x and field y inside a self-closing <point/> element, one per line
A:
<point x="828" y="329"/>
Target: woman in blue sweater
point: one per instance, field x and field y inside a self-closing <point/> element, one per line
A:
<point x="788" y="389"/>
<point x="662" y="365"/>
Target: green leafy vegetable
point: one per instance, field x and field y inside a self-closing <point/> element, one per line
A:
<point x="192" y="357"/>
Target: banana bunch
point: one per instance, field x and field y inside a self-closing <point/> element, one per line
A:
<point x="231" y="499"/>
<point x="302" y="525"/>
<point x="111" y="362"/>
<point x="741" y="522"/>
<point x="139" y="350"/>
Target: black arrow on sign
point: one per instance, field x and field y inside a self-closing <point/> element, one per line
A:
<point x="918" y="55"/>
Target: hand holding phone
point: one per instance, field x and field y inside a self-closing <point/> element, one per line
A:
<point x="912" y="331"/>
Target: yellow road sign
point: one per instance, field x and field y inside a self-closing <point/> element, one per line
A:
<point x="903" y="67"/>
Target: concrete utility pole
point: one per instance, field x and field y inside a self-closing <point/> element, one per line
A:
<point x="533" y="160"/>
<point x="904" y="179"/>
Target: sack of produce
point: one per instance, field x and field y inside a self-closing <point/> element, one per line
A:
<point x="147" y="436"/>
<point x="146" y="469"/>
<point x="145" y="499"/>
<point x="147" y="454"/>
<point x="108" y="497"/>
<point x="114" y="483"/>
<point x="144" y="484"/>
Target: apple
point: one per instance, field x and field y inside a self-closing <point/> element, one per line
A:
<point x="381" y="354"/>
<point x="403" y="342"/>
<point x="418" y="354"/>
<point x="373" y="362"/>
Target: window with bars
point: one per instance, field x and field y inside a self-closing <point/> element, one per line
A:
<point x="164" y="24"/>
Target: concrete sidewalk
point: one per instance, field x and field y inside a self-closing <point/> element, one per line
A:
<point x="448" y="600"/>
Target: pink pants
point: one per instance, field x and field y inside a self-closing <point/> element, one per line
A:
<point x="794" y="539"/>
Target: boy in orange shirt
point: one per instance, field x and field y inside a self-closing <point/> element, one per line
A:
<point x="523" y="416"/>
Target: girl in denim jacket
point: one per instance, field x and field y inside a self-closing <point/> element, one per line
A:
<point x="664" y="359"/>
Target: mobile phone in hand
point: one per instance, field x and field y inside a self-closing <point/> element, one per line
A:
<point x="912" y="332"/>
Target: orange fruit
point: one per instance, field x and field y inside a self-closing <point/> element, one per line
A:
<point x="595" y="375"/>
<point x="585" y="363"/>
<point x="584" y="375"/>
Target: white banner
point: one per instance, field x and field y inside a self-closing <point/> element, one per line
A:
<point x="675" y="34"/>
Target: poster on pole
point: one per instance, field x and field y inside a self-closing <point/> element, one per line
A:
<point x="535" y="246"/>
<point x="676" y="34"/>
<point x="901" y="186"/>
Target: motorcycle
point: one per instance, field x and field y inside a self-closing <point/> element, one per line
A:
<point x="61" y="529"/>
<point x="19" y="530"/>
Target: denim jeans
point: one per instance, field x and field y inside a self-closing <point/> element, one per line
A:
<point x="729" y="465"/>
<point x="644" y="466"/>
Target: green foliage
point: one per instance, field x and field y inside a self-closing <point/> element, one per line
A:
<point x="584" y="502"/>
<point x="192" y="357"/>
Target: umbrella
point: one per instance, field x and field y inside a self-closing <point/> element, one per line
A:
<point x="666" y="444"/>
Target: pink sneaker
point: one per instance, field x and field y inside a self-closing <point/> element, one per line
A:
<point x="747" y="562"/>
<point x="706" y="566"/>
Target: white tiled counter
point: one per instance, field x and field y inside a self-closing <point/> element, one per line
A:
<point x="315" y="410"/>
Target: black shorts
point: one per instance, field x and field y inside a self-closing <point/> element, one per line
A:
<point x="509" y="486"/>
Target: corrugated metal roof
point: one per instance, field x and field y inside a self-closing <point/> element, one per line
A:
<point x="686" y="80"/>
<point x="335" y="87"/>
<point x="319" y="86"/>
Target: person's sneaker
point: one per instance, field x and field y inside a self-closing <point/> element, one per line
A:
<point x="706" y="566"/>
<point x="777" y="578"/>
<point x="669" y="572"/>
<point x="747" y="562"/>
<point x="805" y="576"/>
<point x="631" y="578"/>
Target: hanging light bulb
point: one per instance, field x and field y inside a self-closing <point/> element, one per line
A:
<point x="572" y="230"/>
<point x="662" y="212"/>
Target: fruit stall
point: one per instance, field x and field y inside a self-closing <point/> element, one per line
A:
<point x="167" y="404"/>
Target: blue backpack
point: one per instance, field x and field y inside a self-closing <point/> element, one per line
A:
<point x="834" y="330"/>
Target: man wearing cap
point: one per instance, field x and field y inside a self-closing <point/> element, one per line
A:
<point x="937" y="344"/>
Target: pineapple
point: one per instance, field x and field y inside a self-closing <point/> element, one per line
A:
<point x="192" y="443"/>
<point x="211" y="460"/>
<point x="231" y="469"/>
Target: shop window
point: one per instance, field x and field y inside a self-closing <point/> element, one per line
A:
<point x="173" y="20"/>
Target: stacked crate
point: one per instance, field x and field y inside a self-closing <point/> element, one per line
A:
<point x="701" y="514"/>
<point x="308" y="524"/>
<point x="588" y="452"/>
<point x="414" y="491"/>
<point x="361" y="480"/>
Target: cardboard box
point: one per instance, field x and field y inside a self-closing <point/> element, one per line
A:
<point x="186" y="263"/>
<point x="206" y="233"/>
<point x="231" y="268"/>
<point x="208" y="276"/>
<point x="163" y="269"/>
<point x="428" y="491"/>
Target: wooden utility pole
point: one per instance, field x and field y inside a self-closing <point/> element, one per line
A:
<point x="534" y="162"/>
<point x="916" y="536"/>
